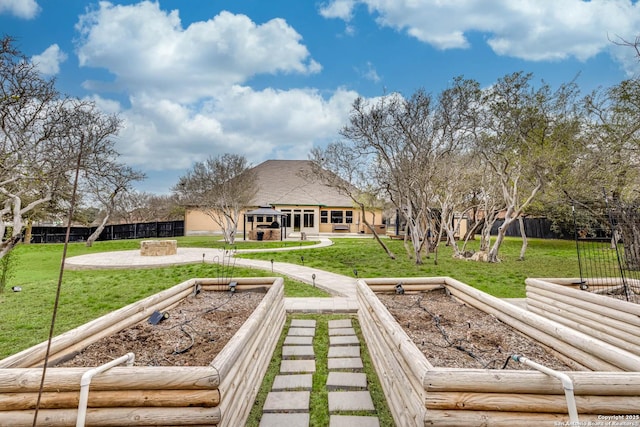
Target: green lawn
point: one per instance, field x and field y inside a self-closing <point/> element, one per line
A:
<point x="544" y="258"/>
<point x="25" y="316"/>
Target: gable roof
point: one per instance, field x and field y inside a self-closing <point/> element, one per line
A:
<point x="283" y="182"/>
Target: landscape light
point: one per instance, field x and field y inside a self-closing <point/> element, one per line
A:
<point x="232" y="287"/>
<point x="158" y="317"/>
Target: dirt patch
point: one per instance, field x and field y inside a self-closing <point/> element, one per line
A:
<point x="448" y="332"/>
<point x="194" y="333"/>
<point x="452" y="334"/>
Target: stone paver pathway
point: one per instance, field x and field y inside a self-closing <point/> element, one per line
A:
<point x="287" y="404"/>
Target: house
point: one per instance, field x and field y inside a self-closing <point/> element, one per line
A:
<point x="307" y="205"/>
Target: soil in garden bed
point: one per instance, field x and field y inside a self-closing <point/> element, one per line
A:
<point x="452" y="334"/>
<point x="194" y="333"/>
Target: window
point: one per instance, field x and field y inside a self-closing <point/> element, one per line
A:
<point x="336" y="217"/>
<point x="308" y="219"/>
<point x="259" y="219"/>
<point x="324" y="217"/>
<point x="269" y="219"/>
<point x="250" y="218"/>
<point x="286" y="218"/>
<point x="348" y="217"/>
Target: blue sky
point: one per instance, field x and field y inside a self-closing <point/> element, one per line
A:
<point x="272" y="79"/>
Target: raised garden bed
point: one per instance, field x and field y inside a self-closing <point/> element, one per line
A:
<point x="611" y="320"/>
<point x="218" y="390"/>
<point x="420" y="393"/>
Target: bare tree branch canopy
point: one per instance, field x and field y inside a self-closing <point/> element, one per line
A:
<point x="109" y="188"/>
<point x="344" y="169"/>
<point x="221" y="186"/>
<point x="525" y="130"/>
<point x="410" y="143"/>
<point x="635" y="45"/>
<point x="43" y="136"/>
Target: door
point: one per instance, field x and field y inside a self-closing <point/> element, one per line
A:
<point x="296" y="222"/>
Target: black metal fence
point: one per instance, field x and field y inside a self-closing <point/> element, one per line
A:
<point x="607" y="238"/>
<point x="141" y="230"/>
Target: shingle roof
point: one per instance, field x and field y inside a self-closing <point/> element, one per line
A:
<point x="283" y="182"/>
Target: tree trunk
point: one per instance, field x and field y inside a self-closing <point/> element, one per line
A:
<point x="631" y="243"/>
<point x="470" y="235"/>
<point x="8" y="245"/>
<point x="525" y="242"/>
<point x="27" y="232"/>
<point x="375" y="234"/>
<point x="502" y="231"/>
<point x="94" y="236"/>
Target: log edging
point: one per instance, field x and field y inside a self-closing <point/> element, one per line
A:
<point x="421" y="394"/>
<point x="610" y="320"/>
<point x="219" y="394"/>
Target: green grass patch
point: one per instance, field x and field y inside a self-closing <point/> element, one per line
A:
<point x="25" y="317"/>
<point x="365" y="258"/>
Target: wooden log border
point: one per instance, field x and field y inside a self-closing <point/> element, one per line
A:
<point x="219" y="394"/>
<point x="608" y="319"/>
<point x="420" y="394"/>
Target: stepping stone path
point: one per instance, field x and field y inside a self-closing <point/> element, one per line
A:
<point x="288" y="402"/>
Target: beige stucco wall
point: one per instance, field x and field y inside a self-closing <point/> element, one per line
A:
<point x="197" y="222"/>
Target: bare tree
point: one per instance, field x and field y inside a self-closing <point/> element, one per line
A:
<point x="108" y="189"/>
<point x="411" y="144"/>
<point x="635" y="44"/>
<point x="221" y="186"/>
<point x="614" y="147"/>
<point x="136" y="206"/>
<point x="43" y="139"/>
<point x="340" y="167"/>
<point x="525" y="130"/>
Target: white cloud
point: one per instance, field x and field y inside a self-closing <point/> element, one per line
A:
<point x="162" y="134"/>
<point x="187" y="87"/>
<point x="627" y="57"/>
<point x="26" y="9"/>
<point x="148" y="51"/>
<point x="48" y="62"/>
<point x="342" y="9"/>
<point x="528" y="29"/>
<point x="371" y="74"/>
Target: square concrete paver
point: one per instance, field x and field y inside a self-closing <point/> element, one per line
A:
<point x="340" y="323"/>
<point x="345" y="363"/>
<point x="297" y="366"/>
<point x="341" y="331"/>
<point x="344" y="351"/>
<point x="298" y="340"/>
<point x="303" y="323"/>
<point x="352" y="421"/>
<point x="346" y="381"/>
<point x="301" y="332"/>
<point x="297" y="352"/>
<point x="287" y="401"/>
<point x="350" y="401"/>
<point x="344" y="340"/>
<point x="289" y="420"/>
<point x="292" y="382"/>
